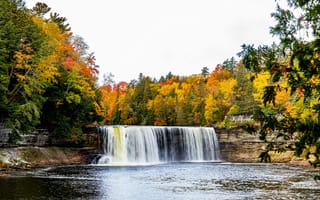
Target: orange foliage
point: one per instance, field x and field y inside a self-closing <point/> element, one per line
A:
<point x="86" y="71"/>
<point x="68" y="63"/>
<point x="69" y="50"/>
<point x="300" y="91"/>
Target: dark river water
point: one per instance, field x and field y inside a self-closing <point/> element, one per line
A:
<point x="167" y="181"/>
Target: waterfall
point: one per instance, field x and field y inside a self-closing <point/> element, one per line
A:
<point x="126" y="145"/>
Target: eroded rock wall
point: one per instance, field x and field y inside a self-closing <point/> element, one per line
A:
<point x="238" y="146"/>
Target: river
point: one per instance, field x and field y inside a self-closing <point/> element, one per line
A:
<point x="172" y="181"/>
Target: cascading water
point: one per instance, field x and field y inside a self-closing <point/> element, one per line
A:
<point x="126" y="145"/>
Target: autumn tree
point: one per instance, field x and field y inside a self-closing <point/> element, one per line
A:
<point x="108" y="96"/>
<point x="194" y="102"/>
<point x="296" y="60"/>
<point x="24" y="77"/>
<point x="47" y="79"/>
<point x="74" y="100"/>
<point x="164" y="103"/>
<point x="221" y="95"/>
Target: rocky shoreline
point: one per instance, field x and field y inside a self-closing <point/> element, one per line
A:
<point x="26" y="158"/>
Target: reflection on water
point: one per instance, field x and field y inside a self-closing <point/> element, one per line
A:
<point x="168" y="181"/>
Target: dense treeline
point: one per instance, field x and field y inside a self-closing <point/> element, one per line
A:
<point x="202" y="99"/>
<point x="47" y="77"/>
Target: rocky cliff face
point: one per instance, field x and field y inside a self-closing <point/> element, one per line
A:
<point x="237" y="145"/>
<point x="4" y="133"/>
<point x="38" y="137"/>
<point x="33" y="151"/>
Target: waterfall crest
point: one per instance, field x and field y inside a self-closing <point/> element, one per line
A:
<point x="128" y="145"/>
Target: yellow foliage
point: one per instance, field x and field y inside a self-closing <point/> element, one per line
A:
<point x="233" y="110"/>
<point x="57" y="39"/>
<point x="259" y="83"/>
<point x="99" y="109"/>
<point x="20" y="77"/>
<point x="291" y="110"/>
<point x="282" y="92"/>
<point x="166" y="90"/>
<point x="210" y="108"/>
<point x="226" y="87"/>
<point x="182" y="92"/>
<point x="315" y="80"/>
<point x="302" y="109"/>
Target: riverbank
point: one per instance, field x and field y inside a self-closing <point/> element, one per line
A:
<point x="26" y="158"/>
<point x="23" y="158"/>
<point x="235" y="146"/>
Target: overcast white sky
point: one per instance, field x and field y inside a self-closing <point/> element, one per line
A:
<point x="155" y="37"/>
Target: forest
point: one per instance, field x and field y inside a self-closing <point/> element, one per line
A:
<point x="48" y="79"/>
